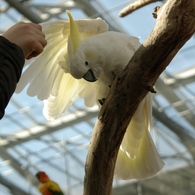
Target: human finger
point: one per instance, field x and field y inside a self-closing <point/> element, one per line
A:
<point x="38" y="48"/>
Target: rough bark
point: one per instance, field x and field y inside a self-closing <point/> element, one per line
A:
<point x="134" y="6"/>
<point x="175" y="25"/>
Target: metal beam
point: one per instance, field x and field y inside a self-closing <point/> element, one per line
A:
<point x="164" y="183"/>
<point x="64" y="123"/>
<point x="25" y="11"/>
<point x="91" y="11"/>
<point x="179" y="130"/>
<point x="16" y="165"/>
<point x="15" y="190"/>
<point x="169" y="94"/>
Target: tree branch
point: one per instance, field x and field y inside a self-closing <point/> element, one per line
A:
<point x="175" y="25"/>
<point x="134" y="6"/>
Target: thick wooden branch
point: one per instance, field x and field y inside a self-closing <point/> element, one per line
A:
<point x="134" y="6"/>
<point x="175" y="25"/>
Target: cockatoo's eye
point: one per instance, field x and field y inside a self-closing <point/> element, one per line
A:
<point x="86" y="63"/>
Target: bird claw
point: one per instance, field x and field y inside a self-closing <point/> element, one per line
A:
<point x="101" y="101"/>
<point x="151" y="89"/>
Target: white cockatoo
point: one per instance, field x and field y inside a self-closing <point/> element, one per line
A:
<point x="81" y="59"/>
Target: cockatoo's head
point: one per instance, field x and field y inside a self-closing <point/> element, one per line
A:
<point x="82" y="58"/>
<point x="42" y="177"/>
<point x="86" y="62"/>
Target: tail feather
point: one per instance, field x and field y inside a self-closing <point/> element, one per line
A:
<point x="145" y="165"/>
<point x="137" y="126"/>
<point x="138" y="157"/>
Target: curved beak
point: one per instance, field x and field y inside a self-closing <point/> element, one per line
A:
<point x="89" y="76"/>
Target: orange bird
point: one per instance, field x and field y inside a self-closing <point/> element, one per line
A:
<point x="48" y="187"/>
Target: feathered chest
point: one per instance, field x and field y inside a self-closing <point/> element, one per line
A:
<point x="50" y="188"/>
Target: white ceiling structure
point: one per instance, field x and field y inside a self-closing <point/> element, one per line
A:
<point x="29" y="143"/>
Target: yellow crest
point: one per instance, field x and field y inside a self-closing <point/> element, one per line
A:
<point x="74" y="32"/>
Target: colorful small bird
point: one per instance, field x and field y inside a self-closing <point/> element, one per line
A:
<point x="48" y="187"/>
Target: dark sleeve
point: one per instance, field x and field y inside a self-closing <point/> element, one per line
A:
<point x="11" y="64"/>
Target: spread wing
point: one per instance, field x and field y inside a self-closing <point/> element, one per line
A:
<point x="48" y="73"/>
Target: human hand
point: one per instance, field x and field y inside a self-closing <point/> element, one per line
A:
<point x="28" y="36"/>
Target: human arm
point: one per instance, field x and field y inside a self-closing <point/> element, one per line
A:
<point x="23" y="40"/>
<point x="28" y="36"/>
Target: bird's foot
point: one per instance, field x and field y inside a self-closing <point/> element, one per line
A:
<point x="101" y="101"/>
<point x="151" y="89"/>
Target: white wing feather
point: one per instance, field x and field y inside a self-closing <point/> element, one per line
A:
<point x="47" y="74"/>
